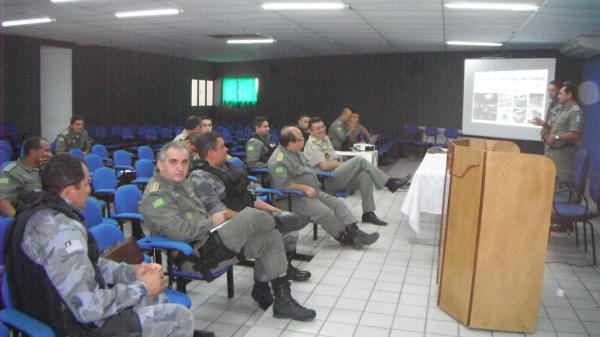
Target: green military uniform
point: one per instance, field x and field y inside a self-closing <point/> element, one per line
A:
<point x="258" y="151"/>
<point x="338" y="134"/>
<point x="554" y="108"/>
<point x="354" y="137"/>
<point x="562" y="152"/>
<point x="354" y="174"/>
<point x="171" y="209"/>
<point x="68" y="140"/>
<point x="286" y="167"/>
<point x="16" y="178"/>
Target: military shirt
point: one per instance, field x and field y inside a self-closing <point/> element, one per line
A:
<point x="209" y="189"/>
<point x="318" y="150"/>
<point x="256" y="150"/>
<point x="354" y="137"/>
<point x="68" y="140"/>
<point x="59" y="244"/>
<point x="172" y="209"/>
<point x="567" y="119"/>
<point x="338" y="133"/>
<point x="554" y="107"/>
<point x="16" y="178"/>
<point x="287" y="167"/>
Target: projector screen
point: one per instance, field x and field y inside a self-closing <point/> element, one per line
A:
<point x="502" y="96"/>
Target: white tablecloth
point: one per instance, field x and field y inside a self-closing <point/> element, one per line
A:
<point x="370" y="156"/>
<point x="426" y="190"/>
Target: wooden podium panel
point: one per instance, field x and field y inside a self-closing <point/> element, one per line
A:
<point x="496" y="235"/>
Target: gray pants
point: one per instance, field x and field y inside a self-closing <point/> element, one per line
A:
<point x="328" y="211"/>
<point x="159" y="318"/>
<point x="289" y="242"/>
<point x="253" y="232"/>
<point x="358" y="174"/>
<point x="563" y="158"/>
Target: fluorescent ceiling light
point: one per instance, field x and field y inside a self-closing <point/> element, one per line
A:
<point x="492" y="6"/>
<point x="150" y="12"/>
<point x="250" y="41"/>
<point x="55" y="1"/>
<point x="276" y="6"/>
<point x="26" y="22"/>
<point x="478" y="44"/>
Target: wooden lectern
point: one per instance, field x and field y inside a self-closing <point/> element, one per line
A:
<point x="495" y="235"/>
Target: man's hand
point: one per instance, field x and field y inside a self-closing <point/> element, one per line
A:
<point x="148" y="267"/>
<point x="538" y="121"/>
<point x="229" y="213"/>
<point x="152" y="276"/>
<point x="550" y="140"/>
<point x="310" y="192"/>
<point x="218" y="217"/>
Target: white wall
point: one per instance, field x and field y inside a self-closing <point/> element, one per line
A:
<point x="56" y="90"/>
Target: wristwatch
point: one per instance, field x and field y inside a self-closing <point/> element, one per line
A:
<point x="557" y="137"/>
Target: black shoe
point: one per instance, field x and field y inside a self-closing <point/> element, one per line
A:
<point x="285" y="306"/>
<point x="261" y="293"/>
<point x="370" y="217"/>
<point x="360" y="238"/>
<point x="393" y="184"/>
<point x="296" y="274"/>
<point x="203" y="333"/>
<point x="286" y="222"/>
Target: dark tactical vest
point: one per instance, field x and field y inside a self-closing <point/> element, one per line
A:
<point x="237" y="196"/>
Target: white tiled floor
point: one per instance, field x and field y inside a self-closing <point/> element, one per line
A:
<point x="389" y="289"/>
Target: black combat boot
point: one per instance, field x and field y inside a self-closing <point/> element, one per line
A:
<point x="360" y="238"/>
<point x="294" y="273"/>
<point x="203" y="333"/>
<point x="287" y="307"/>
<point x="261" y="293"/>
<point x="286" y="222"/>
<point x="393" y="184"/>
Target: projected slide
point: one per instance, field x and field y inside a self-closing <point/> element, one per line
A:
<point x="502" y="96"/>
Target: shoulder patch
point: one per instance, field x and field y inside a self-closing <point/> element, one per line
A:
<point x="4" y="180"/>
<point x="66" y="132"/>
<point x="189" y="215"/>
<point x="10" y="166"/>
<point x="279" y="169"/>
<point x="160" y="202"/>
<point x="279" y="156"/>
<point x="250" y="147"/>
<point x="73" y="246"/>
<point x="154" y="187"/>
<point x="578" y="119"/>
<point x="339" y="128"/>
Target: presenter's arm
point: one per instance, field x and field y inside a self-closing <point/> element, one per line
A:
<point x="571" y="136"/>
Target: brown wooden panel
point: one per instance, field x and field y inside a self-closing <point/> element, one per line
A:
<point x="513" y="241"/>
<point x="460" y="231"/>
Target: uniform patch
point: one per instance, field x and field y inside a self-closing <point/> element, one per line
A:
<point x="154" y="187"/>
<point x="10" y="166"/>
<point x="250" y="147"/>
<point x="189" y="215"/>
<point x="66" y="132"/>
<point x="73" y="246"/>
<point x="279" y="170"/>
<point x="4" y="180"/>
<point x="279" y="156"/>
<point x="578" y="119"/>
<point x="158" y="203"/>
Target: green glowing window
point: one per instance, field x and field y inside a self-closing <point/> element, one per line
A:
<point x="240" y="90"/>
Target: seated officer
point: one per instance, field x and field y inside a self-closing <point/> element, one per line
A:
<point x="23" y="175"/>
<point x="73" y="137"/>
<point x="356" y="173"/>
<point x="222" y="187"/>
<point x="258" y="147"/>
<point x="360" y="134"/>
<point x="171" y="208"/>
<point x="192" y="124"/>
<point x="56" y="276"/>
<point x="288" y="169"/>
<point x="341" y="129"/>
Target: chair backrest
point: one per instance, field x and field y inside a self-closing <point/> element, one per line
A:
<point x="150" y="135"/>
<point x="145" y="152"/>
<point x="144" y="168"/>
<point x="4" y="226"/>
<point x="4" y="156"/>
<point x="101" y="132"/>
<point x="106" y="236"/>
<point x="92" y="213"/>
<point x="237" y="163"/>
<point x="127" y="198"/>
<point x="77" y="153"/>
<point x="431" y="131"/>
<point x="579" y="172"/>
<point x="104" y="178"/>
<point x="122" y="157"/>
<point x="6" y="299"/>
<point x="166" y="133"/>
<point x="451" y="133"/>
<point x="127" y="133"/>
<point x="93" y="162"/>
<point x="100" y="150"/>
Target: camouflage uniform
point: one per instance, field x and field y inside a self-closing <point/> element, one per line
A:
<point x="338" y="134"/>
<point x="59" y="244"/>
<point x="356" y="173"/>
<point x="562" y="152"/>
<point x="17" y="178"/>
<point x="68" y="140"/>
<point x="211" y="192"/>
<point x="286" y="167"/>
<point x="172" y="209"/>
<point x="257" y="151"/>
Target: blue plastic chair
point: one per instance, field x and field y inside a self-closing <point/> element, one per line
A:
<point x="579" y="174"/>
<point x="77" y="153"/>
<point x="145" y="152"/>
<point x="101" y="151"/>
<point x="450" y="134"/>
<point x="4" y="157"/>
<point x="127" y="198"/>
<point x="122" y="162"/>
<point x="93" y="162"/>
<point x="92" y="214"/>
<point x="144" y="169"/>
<point x="104" y="184"/>
<point x="4" y="226"/>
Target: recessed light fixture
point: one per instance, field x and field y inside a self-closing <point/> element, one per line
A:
<point x="150" y="12"/>
<point x="284" y="6"/>
<point x="476" y="44"/>
<point x="251" y="41"/>
<point x="26" y="22"/>
<point x="492" y="6"/>
<point x="56" y="1"/>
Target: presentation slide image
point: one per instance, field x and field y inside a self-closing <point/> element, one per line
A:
<point x="520" y="108"/>
<point x="485" y="106"/>
<point x="535" y="107"/>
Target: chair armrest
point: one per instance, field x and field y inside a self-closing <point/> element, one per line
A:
<point x="128" y="216"/>
<point x="321" y="174"/>
<point x="259" y="170"/>
<point x="268" y="191"/>
<point x="292" y="191"/>
<point x="161" y="242"/>
<point x="253" y="179"/>
<point x="23" y="322"/>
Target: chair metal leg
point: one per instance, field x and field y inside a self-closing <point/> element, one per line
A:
<point x="315" y="231"/>
<point x="584" y="237"/>
<point x="230" y="290"/>
<point x="181" y="284"/>
<point x="593" y="240"/>
<point x="576" y="234"/>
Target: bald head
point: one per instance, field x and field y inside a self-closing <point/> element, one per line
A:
<point x="291" y="138"/>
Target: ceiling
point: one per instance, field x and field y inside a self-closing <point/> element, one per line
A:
<point x="367" y="27"/>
